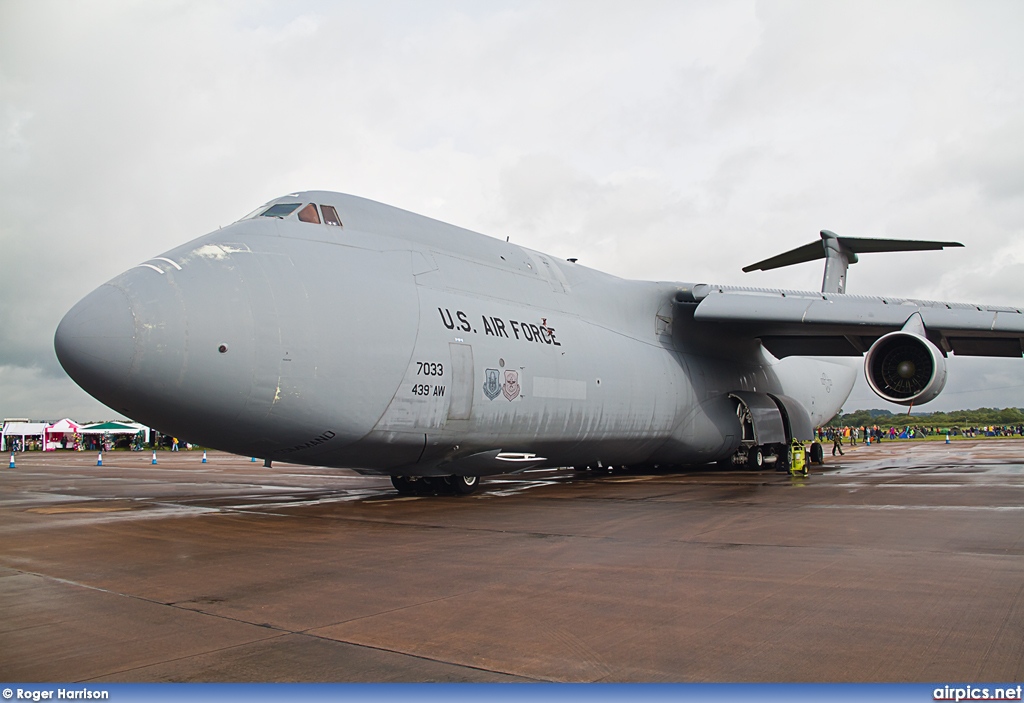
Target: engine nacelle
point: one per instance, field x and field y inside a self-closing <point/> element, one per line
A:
<point x="905" y="368"/>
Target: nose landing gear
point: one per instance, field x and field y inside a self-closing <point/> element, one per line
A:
<point x="419" y="485"/>
<point x="408" y="485"/>
<point x="463" y="485"/>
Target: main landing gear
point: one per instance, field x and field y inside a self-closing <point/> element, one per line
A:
<point x="755" y="458"/>
<point x="418" y="485"/>
<point x="816" y="454"/>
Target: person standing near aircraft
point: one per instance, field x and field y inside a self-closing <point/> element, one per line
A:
<point x="837" y="442"/>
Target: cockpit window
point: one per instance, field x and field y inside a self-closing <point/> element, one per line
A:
<point x="309" y="214"/>
<point x="255" y="212"/>
<point x="330" y="215"/>
<point x="280" y="210"/>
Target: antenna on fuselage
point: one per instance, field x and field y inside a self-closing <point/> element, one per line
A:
<point x="839" y="252"/>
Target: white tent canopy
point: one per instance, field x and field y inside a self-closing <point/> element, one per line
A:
<point x="64" y="426"/>
<point x="21" y="430"/>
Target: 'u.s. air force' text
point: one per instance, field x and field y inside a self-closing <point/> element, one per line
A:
<point x="496" y="327"/>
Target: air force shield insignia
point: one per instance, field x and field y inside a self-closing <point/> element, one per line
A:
<point x="511" y="387"/>
<point x="492" y="389"/>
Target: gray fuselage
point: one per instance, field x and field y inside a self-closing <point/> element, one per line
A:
<point x="397" y="344"/>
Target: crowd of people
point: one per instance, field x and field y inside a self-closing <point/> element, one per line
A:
<point x="876" y="433"/>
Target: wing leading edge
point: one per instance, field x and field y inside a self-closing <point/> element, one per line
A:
<point x="799" y="323"/>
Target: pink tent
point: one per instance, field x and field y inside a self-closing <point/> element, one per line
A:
<point x="53" y="433"/>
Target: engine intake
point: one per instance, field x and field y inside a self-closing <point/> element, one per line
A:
<point x="905" y="368"/>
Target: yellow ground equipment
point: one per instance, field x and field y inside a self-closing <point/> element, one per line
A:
<point x="797" y="458"/>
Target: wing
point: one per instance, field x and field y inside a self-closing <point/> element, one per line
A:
<point x="801" y="323"/>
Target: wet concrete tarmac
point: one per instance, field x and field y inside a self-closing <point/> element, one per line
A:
<point x="899" y="562"/>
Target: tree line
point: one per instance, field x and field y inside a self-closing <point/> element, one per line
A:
<point x="962" y="418"/>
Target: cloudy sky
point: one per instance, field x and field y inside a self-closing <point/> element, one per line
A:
<point x="670" y="140"/>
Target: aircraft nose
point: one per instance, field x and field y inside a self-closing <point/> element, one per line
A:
<point x="95" y="342"/>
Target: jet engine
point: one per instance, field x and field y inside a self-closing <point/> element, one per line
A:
<point x="905" y="368"/>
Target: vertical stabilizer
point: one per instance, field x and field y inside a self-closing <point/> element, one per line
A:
<point x="837" y="260"/>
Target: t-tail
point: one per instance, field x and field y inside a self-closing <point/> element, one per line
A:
<point x="906" y="366"/>
<point x="839" y="252"/>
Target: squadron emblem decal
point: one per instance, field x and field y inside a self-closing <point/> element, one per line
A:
<point x="511" y="387"/>
<point x="492" y="387"/>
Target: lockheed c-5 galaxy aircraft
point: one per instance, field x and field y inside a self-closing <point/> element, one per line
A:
<point x="331" y="330"/>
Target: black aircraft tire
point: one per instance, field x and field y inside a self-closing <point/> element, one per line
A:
<point x="755" y="459"/>
<point x="817" y="453"/>
<point x="782" y="465"/>
<point x="406" y="486"/>
<point x="437" y="484"/>
<point x="464" y="485"/>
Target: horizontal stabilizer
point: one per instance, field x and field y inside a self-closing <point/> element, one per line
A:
<point x="840" y="252"/>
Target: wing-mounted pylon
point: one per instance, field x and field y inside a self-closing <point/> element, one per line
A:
<point x="839" y="252"/>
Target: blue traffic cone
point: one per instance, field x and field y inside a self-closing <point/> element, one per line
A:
<point x="947" y="438"/>
<point x="12" y="461"/>
<point x="154" y="459"/>
<point x="99" y="459"/>
<point x="253" y="459"/>
<point x="204" y="456"/>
